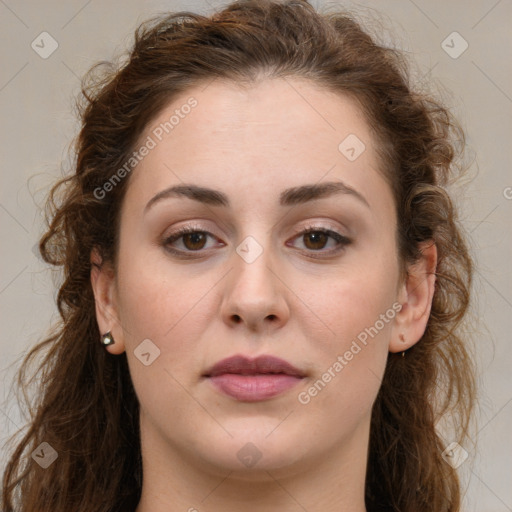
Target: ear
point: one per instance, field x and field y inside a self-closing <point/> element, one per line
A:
<point x="415" y="295"/>
<point x="103" y="285"/>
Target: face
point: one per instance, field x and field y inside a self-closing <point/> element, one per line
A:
<point x="308" y="275"/>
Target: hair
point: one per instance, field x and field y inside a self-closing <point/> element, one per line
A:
<point x="86" y="407"/>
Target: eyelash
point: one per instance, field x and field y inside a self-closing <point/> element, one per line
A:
<point x="342" y="240"/>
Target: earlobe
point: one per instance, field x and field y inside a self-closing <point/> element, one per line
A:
<point x="103" y="285"/>
<point x="416" y="297"/>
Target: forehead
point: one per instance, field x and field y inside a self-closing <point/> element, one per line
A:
<point x="270" y="135"/>
<point x="279" y="112"/>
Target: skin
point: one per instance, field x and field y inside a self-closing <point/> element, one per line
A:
<point x="251" y="144"/>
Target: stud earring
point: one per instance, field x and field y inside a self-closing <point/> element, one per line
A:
<point x="107" y="339"/>
<point x="402" y="339"/>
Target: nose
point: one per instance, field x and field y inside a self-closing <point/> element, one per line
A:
<point x="255" y="293"/>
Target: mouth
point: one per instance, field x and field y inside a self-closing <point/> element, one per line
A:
<point x="253" y="380"/>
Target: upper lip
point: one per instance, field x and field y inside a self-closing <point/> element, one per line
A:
<point x="243" y="365"/>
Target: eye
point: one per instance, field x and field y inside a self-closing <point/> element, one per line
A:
<point x="193" y="239"/>
<point x="316" y="238"/>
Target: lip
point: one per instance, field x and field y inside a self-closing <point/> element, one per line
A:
<point x="253" y="379"/>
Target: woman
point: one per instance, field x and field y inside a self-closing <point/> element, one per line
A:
<point x="264" y="280"/>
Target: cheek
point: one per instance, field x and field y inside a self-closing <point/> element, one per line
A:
<point x="348" y="375"/>
<point x="352" y="352"/>
<point x="151" y="309"/>
<point x="355" y="298"/>
<point x="164" y="305"/>
<point x="150" y="297"/>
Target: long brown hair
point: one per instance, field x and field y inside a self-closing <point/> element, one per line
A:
<point x="86" y="408"/>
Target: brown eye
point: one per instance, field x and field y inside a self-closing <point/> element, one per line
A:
<point x="314" y="240"/>
<point x="194" y="241"/>
<point x="317" y="239"/>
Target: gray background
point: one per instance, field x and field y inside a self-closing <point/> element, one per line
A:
<point x="38" y="124"/>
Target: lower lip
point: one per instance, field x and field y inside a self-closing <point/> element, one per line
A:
<point x="254" y="388"/>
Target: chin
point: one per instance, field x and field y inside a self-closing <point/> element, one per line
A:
<point x="251" y="453"/>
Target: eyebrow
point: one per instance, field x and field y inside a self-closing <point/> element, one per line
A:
<point x="289" y="197"/>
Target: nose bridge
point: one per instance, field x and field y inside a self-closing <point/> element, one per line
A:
<point x="253" y="266"/>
